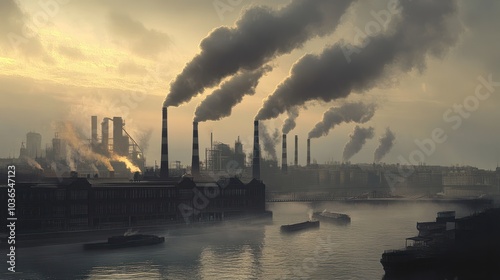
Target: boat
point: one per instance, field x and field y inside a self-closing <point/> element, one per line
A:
<point x="124" y="241"/>
<point x="300" y="226"/>
<point x="332" y="217"/>
<point x="448" y="242"/>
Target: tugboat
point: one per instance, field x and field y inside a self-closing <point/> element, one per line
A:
<point x="332" y="217"/>
<point x="124" y="241"/>
<point x="300" y="226"/>
<point x="469" y="242"/>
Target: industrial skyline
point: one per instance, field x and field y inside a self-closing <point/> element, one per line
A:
<point x="118" y="59"/>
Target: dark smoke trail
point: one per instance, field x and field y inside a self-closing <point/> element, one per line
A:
<point x="269" y="141"/>
<point x="358" y="139"/>
<point x="423" y="28"/>
<point x="260" y="35"/>
<point x="221" y="102"/>
<point x="349" y="112"/>
<point x="386" y="143"/>
<point x="289" y="123"/>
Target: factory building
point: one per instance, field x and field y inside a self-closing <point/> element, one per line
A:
<point x="81" y="204"/>
<point x="33" y="148"/>
<point x="90" y="204"/>
<point x="470" y="182"/>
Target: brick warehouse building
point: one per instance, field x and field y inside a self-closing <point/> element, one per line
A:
<point x="79" y="204"/>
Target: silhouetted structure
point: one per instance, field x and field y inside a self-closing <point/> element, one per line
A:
<point x="164" y="145"/>
<point x="195" y="160"/>
<point x="256" y="152"/>
<point x="33" y="145"/>
<point x="284" y="165"/>
<point x="78" y="204"/>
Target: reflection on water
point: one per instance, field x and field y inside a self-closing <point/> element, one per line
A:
<point x="243" y="251"/>
<point x="140" y="270"/>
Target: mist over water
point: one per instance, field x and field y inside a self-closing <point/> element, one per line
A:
<point x="249" y="251"/>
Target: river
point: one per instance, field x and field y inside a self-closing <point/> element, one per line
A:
<point x="250" y="251"/>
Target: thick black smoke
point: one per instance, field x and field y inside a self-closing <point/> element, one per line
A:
<point x="260" y="35"/>
<point x="423" y="28"/>
<point x="289" y="123"/>
<point x="269" y="141"/>
<point x="357" y="139"/>
<point x="386" y="143"/>
<point x="349" y="112"/>
<point x="220" y="103"/>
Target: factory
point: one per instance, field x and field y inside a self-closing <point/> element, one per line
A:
<point x="76" y="203"/>
<point x="212" y="192"/>
<point x="71" y="152"/>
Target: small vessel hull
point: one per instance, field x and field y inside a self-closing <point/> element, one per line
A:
<point x="332" y="217"/>
<point x="117" y="242"/>
<point x="300" y="226"/>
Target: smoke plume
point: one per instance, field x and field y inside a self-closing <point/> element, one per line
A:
<point x="358" y="139"/>
<point x="133" y="168"/>
<point x="289" y="123"/>
<point x="349" y="112"/>
<point x="33" y="163"/>
<point x="422" y="29"/>
<point x="386" y="143"/>
<point x="143" y="139"/>
<point x="74" y="140"/>
<point x="260" y="35"/>
<point x="269" y="141"/>
<point x="221" y="102"/>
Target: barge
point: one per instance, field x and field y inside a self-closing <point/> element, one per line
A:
<point x="300" y="226"/>
<point x="124" y="241"/>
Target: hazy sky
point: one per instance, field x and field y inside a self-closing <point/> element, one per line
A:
<point x="68" y="60"/>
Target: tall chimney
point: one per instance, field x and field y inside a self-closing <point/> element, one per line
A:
<point x="105" y="134"/>
<point x="120" y="147"/>
<point x="284" y="164"/>
<point x="93" y="130"/>
<point x="296" y="159"/>
<point x="195" y="162"/>
<point x="308" y="152"/>
<point x="164" y="145"/>
<point x="256" y="151"/>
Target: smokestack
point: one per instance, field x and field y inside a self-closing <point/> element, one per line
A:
<point x="195" y="163"/>
<point x="296" y="158"/>
<point x="94" y="130"/>
<point x="120" y="142"/>
<point x="256" y="152"/>
<point x="284" y="164"/>
<point x="308" y="151"/>
<point x="105" y="134"/>
<point x="164" y="145"/>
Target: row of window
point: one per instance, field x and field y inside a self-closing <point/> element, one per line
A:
<point x="134" y="208"/>
<point x="133" y="193"/>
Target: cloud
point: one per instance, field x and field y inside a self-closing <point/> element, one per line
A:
<point x="16" y="34"/>
<point x="140" y="40"/>
<point x="131" y="68"/>
<point x="71" y="52"/>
